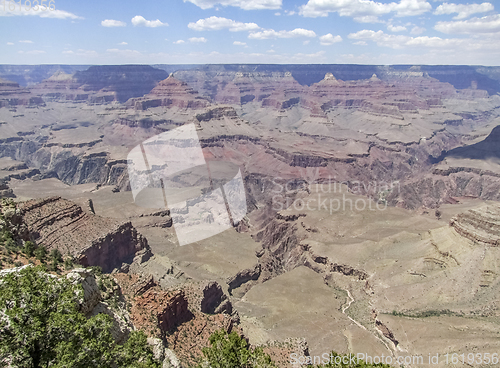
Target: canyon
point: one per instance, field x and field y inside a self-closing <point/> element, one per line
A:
<point x="372" y="199"/>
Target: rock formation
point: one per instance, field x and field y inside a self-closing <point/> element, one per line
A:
<point x="170" y="93"/>
<point x="94" y="241"/>
<point x="121" y="81"/>
<point x="11" y="95"/>
<point x="169" y="309"/>
<point x="479" y="225"/>
<point x="489" y="148"/>
<point x="61" y="86"/>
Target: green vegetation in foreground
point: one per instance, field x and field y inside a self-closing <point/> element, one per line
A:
<point x="232" y="351"/>
<point x="43" y="327"/>
<point x="14" y="243"/>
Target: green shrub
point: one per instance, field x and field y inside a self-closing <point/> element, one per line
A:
<point x="41" y="253"/>
<point x="231" y="350"/>
<point x="29" y="248"/>
<point x="50" y="331"/>
<point x="56" y="256"/>
<point x="68" y="263"/>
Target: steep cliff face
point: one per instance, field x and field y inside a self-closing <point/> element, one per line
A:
<point x="489" y="148"/>
<point x="11" y="95"/>
<point x="95" y="241"/>
<point x="285" y="247"/>
<point x="169" y="309"/>
<point x="214" y="300"/>
<point x="460" y="177"/>
<point x="70" y="164"/>
<point x="463" y="76"/>
<point x="183" y="317"/>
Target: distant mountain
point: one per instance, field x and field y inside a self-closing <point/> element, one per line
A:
<point x="28" y="75"/>
<point x="460" y="76"/>
<point x="127" y="81"/>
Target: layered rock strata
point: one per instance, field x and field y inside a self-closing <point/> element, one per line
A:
<point x="479" y="225"/>
<point x="170" y="92"/>
<point x="93" y="240"/>
<point x="11" y="95"/>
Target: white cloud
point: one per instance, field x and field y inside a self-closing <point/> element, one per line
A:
<point x="367" y="19"/>
<point x="392" y="28"/>
<point x="25" y="41"/>
<point x="463" y="10"/>
<point x="197" y="40"/>
<point x="123" y="43"/>
<point x="271" y="33"/>
<point x="306" y="42"/>
<point x="307" y="58"/>
<point x="360" y="43"/>
<point x="86" y="53"/>
<point x="124" y="52"/>
<point x="417" y="30"/>
<point x="329" y="39"/>
<point x="364" y="8"/>
<point x="81" y="52"/>
<point x="10" y="43"/>
<point x="59" y="14"/>
<point x="488" y="24"/>
<point x="277" y="14"/>
<point x="179" y="42"/>
<point x="113" y="23"/>
<point x="218" y="23"/>
<point x="238" y="43"/>
<point x="410" y="8"/>
<point x="289" y="12"/>
<point x="140" y="21"/>
<point x="243" y="4"/>
<point x="400" y="41"/>
<point x="32" y="52"/>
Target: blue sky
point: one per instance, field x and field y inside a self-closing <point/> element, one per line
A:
<point x="250" y="31"/>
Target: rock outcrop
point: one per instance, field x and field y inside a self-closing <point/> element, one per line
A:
<point x="168" y="309"/>
<point x="91" y="294"/>
<point x="95" y="241"/>
<point x="101" y="294"/>
<point x="243" y="277"/>
<point x="214" y="300"/>
<point x="5" y="190"/>
<point x="479" y="225"/>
